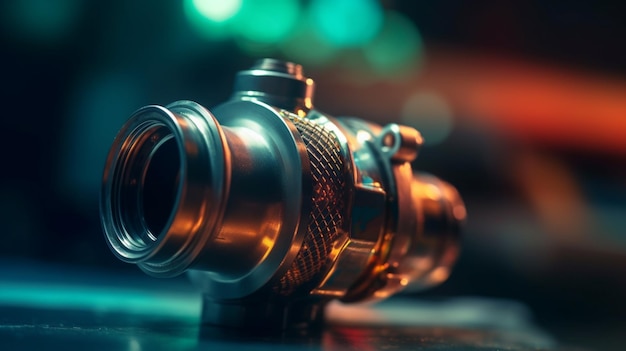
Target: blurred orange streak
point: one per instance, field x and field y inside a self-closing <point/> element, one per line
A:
<point x="550" y="105"/>
<point x="536" y="103"/>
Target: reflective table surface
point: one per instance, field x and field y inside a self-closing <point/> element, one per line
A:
<point x="49" y="308"/>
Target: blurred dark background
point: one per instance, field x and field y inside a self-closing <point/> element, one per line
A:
<point x="522" y="105"/>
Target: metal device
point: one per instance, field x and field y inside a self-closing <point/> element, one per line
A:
<point x="274" y="208"/>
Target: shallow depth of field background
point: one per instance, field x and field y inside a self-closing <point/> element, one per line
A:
<point x="522" y="105"/>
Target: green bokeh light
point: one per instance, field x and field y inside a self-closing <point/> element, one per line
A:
<point x="397" y="48"/>
<point x="266" y="21"/>
<point x="347" y="23"/>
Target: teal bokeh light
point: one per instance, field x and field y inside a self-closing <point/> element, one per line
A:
<point x="397" y="48"/>
<point x="212" y="18"/>
<point x="253" y="22"/>
<point x="431" y="114"/>
<point x="217" y="10"/>
<point x="171" y="304"/>
<point x="266" y="21"/>
<point x="347" y="23"/>
<point x="306" y="47"/>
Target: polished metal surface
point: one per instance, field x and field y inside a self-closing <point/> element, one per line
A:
<point x="274" y="208"/>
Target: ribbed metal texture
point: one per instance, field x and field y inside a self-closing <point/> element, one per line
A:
<point x="326" y="219"/>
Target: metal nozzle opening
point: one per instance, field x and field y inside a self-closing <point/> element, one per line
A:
<point x="145" y="189"/>
<point x="159" y="188"/>
<point x="163" y="187"/>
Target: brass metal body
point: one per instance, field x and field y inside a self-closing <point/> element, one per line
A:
<point x="274" y="208"/>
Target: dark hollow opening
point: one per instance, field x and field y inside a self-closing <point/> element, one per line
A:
<point x="160" y="187"/>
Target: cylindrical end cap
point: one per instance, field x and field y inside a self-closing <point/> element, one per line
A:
<point x="277" y="83"/>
